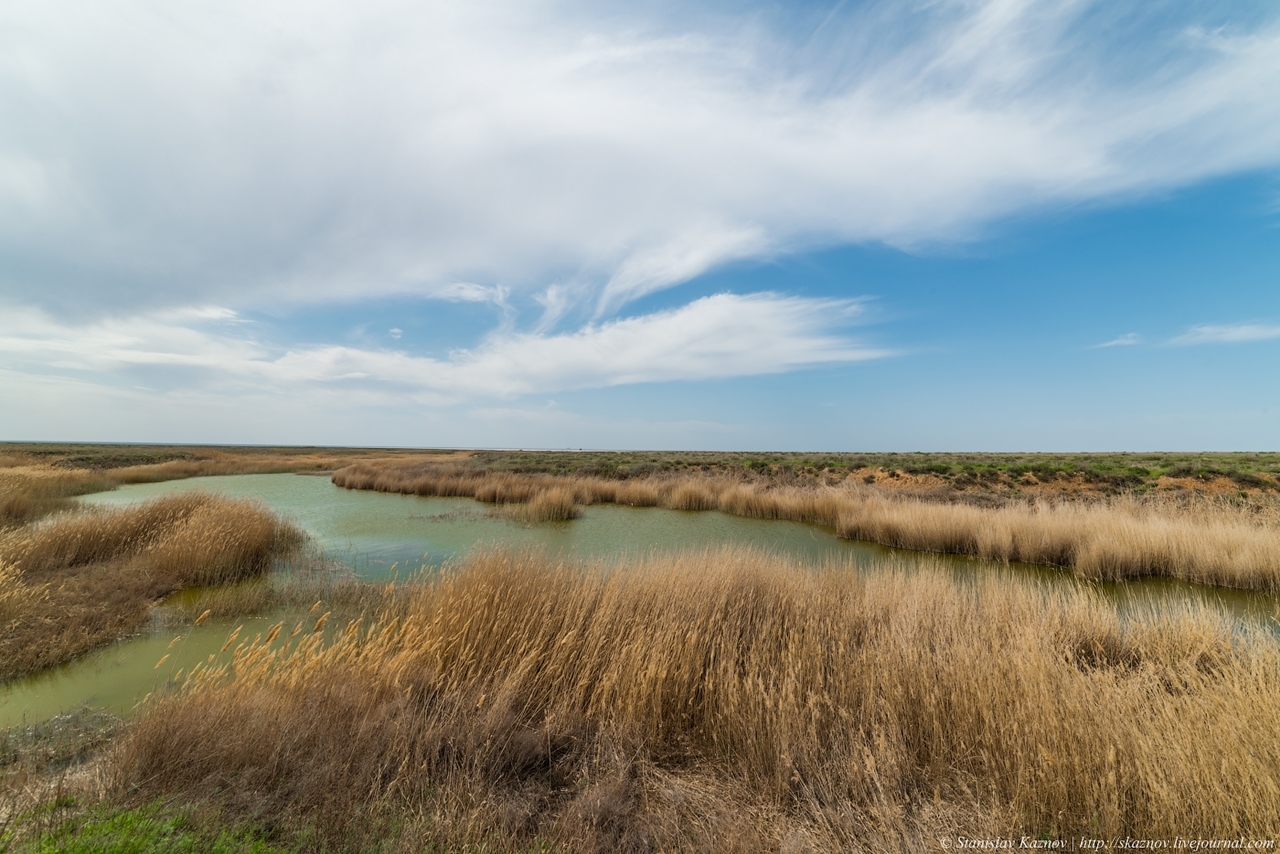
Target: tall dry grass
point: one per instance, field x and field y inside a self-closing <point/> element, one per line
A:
<point x="80" y="579"/>
<point x="1209" y="542"/>
<point x="28" y="492"/>
<point x="1206" y="541"/>
<point x="228" y="462"/>
<point x="551" y="505"/>
<point x="730" y="701"/>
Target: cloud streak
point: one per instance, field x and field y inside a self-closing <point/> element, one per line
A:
<point x="715" y="337"/>
<point x="1129" y="339"/>
<point x="1230" y="333"/>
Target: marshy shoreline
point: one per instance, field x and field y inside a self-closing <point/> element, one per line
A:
<point x="1211" y="539"/>
<point x="722" y="699"/>
<point x="725" y="700"/>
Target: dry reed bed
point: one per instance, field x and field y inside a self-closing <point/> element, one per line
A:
<point x="730" y="701"/>
<point x="226" y="464"/>
<point x="81" y="579"/>
<point x="1206" y="542"/>
<point x="28" y="492"/>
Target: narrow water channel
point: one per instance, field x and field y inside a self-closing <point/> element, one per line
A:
<point x="374" y="532"/>
<point x="371" y="531"/>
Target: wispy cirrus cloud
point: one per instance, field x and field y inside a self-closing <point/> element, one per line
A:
<point x="469" y="292"/>
<point x="1129" y="339"/>
<point x="1227" y="333"/>
<point x="208" y="338"/>
<point x="720" y="336"/>
<point x="235" y="152"/>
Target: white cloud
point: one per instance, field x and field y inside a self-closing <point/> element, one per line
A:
<point x="719" y="336"/>
<point x="1230" y="333"/>
<point x="715" y="337"/>
<point x="1129" y="339"/>
<point x="556" y="301"/>
<point x="71" y="409"/>
<point x="679" y="260"/>
<point x="236" y="152"/>
<point x="197" y="338"/>
<point x="469" y="292"/>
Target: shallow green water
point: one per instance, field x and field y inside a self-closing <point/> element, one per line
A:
<point x="117" y="677"/>
<point x="374" y="532"/>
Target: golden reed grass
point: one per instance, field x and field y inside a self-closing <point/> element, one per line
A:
<point x="550" y="505"/>
<point x="1118" y="538"/>
<point x="730" y="701"/>
<point x="80" y="579"/>
<point x="28" y="492"/>
<point x="225" y="463"/>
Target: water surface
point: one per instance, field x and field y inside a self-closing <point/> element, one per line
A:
<point x="374" y="532"/>
<point x="371" y="531"/>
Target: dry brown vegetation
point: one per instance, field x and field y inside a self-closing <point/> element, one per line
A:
<point x="228" y="461"/>
<point x="551" y="505"/>
<point x="1205" y="540"/>
<point x="728" y="701"/>
<point x="81" y="579"/>
<point x="983" y="477"/>
<point x="28" y="492"/>
<point x="84" y="577"/>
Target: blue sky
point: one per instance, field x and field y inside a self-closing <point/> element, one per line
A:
<point x="953" y="225"/>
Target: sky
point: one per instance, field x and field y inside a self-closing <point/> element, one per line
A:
<point x="1031" y="225"/>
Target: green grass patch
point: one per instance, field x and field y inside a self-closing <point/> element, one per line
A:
<point x="150" y="830"/>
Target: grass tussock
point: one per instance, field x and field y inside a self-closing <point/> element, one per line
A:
<point x="551" y="505"/>
<point x="729" y="701"/>
<point x="78" y="580"/>
<point x="1203" y="540"/>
